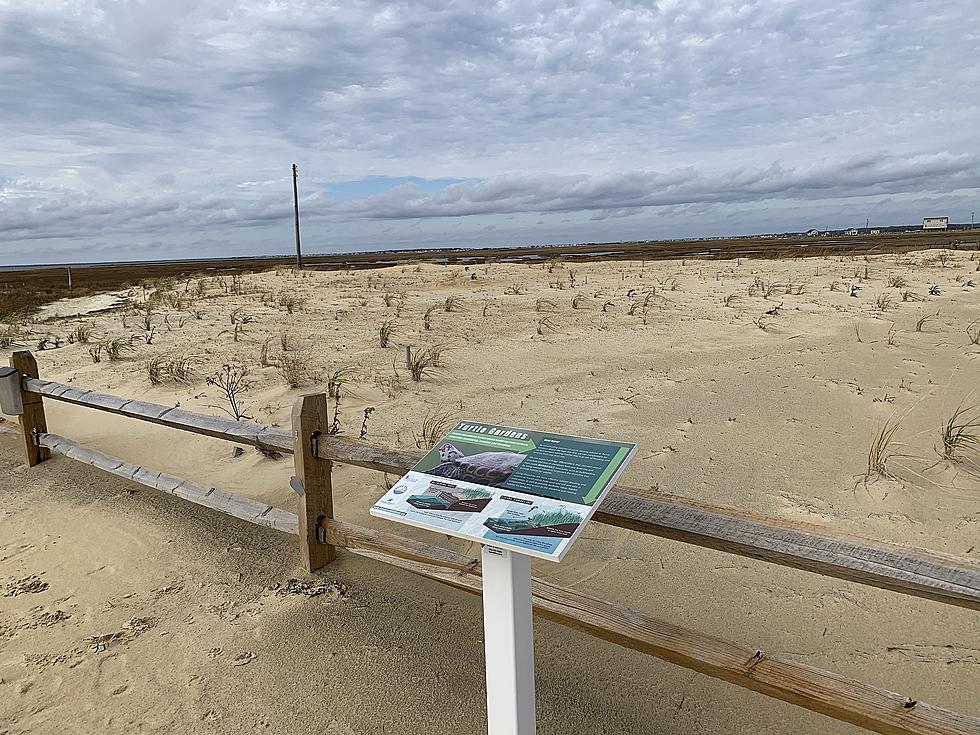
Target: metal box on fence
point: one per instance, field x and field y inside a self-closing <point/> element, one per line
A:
<point x="11" y="402"/>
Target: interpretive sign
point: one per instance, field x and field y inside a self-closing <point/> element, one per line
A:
<point x="525" y="490"/>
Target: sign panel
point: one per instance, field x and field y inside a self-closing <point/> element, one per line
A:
<point x="528" y="491"/>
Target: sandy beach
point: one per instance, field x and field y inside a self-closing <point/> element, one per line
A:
<point x="754" y="384"/>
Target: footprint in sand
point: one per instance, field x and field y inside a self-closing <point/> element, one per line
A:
<point x="243" y="658"/>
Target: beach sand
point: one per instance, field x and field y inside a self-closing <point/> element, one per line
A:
<point x="129" y="611"/>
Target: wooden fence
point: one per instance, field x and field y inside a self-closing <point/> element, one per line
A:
<point x="907" y="570"/>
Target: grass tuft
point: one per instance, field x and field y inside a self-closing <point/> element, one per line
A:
<point x="289" y="302"/>
<point x="973" y="332"/>
<point x="423" y="361"/>
<point x="547" y="323"/>
<point x="960" y="432"/>
<point x="433" y="428"/>
<point x="882" y="449"/>
<point x="176" y="369"/>
<point x="385" y="332"/>
<point x="427" y="316"/>
<point x="920" y="325"/>
<point x="883" y="302"/>
<point x="338" y="378"/>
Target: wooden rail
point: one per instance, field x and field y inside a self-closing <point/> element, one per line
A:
<point x="234" y="505"/>
<point x="827" y="693"/>
<point x="839" y="697"/>
<point x="909" y="570"/>
<point x="240" y="432"/>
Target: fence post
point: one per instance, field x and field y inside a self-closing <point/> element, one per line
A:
<point x="316" y="502"/>
<point x="32" y="420"/>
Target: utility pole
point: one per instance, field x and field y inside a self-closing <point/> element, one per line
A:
<point x="299" y="252"/>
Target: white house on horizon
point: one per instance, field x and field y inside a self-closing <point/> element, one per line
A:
<point x="935" y="223"/>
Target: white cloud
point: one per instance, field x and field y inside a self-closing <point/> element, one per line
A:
<point x="178" y="121"/>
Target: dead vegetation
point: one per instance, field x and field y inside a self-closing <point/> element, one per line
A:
<point x="163" y="368"/>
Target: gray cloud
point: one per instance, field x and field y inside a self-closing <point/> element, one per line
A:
<point x="177" y="122"/>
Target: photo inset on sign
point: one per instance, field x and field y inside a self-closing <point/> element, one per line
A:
<point x="449" y="497"/>
<point x="483" y="468"/>
<point x="555" y="523"/>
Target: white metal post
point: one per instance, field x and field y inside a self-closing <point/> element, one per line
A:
<point x="508" y="635"/>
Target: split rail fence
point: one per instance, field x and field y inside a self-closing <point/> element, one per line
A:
<point x="908" y="570"/>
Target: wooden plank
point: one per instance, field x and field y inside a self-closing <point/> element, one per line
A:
<point x="906" y="569"/>
<point x="362" y="454"/>
<point x="827" y="693"/>
<point x="253" y="511"/>
<point x="316" y="502"/>
<point x="350" y="536"/>
<point x="239" y="432"/>
<point x="32" y="421"/>
<point x="909" y="570"/>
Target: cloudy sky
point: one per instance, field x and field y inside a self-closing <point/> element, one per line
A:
<point x="143" y="130"/>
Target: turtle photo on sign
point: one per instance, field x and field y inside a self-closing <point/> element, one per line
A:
<point x="483" y="468"/>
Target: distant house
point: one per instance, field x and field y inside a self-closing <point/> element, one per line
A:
<point x="935" y="223"/>
<point x="875" y="232"/>
<point x="852" y="231"/>
<point x="812" y="233"/>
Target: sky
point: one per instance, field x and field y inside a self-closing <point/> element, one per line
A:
<point x="149" y="130"/>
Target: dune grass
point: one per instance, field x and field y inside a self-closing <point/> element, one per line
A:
<point x="422" y="362"/>
<point x="385" y="332"/>
<point x="960" y="432"/>
<point x="434" y="425"/>
<point x="882" y="449"/>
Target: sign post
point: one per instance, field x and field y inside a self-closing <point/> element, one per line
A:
<point x="520" y="494"/>
<point x="508" y="640"/>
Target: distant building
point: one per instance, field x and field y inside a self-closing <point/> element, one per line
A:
<point x="851" y="232"/>
<point x="812" y="233"/>
<point x="875" y="232"/>
<point x="935" y="223"/>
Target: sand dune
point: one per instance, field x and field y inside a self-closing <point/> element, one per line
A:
<point x="129" y="611"/>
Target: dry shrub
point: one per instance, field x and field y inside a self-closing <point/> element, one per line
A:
<point x="294" y="368"/>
